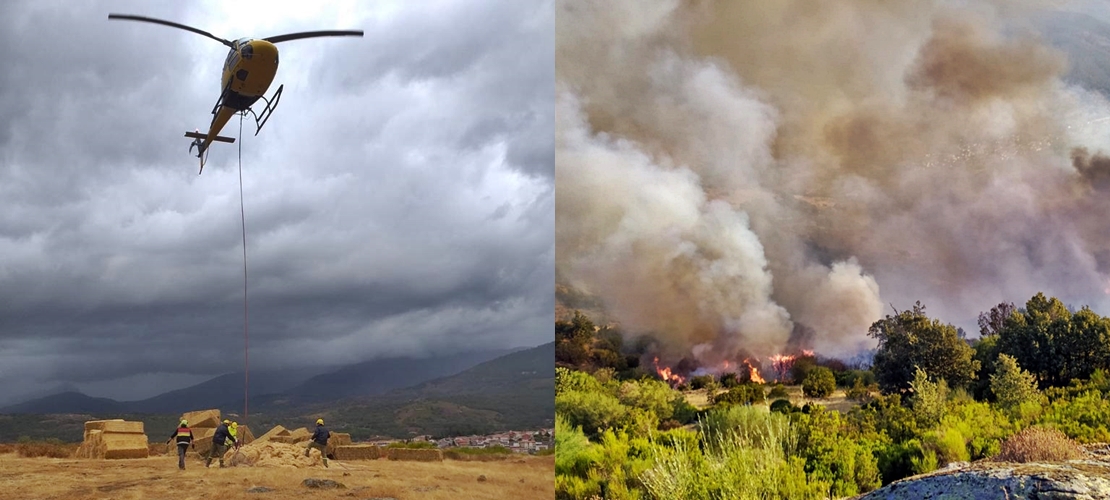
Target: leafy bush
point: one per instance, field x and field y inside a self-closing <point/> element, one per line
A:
<point x="592" y="411"/>
<point x="819" y="383"/>
<point x="834" y="454"/>
<point x="1038" y="444"/>
<point x="928" y="399"/>
<point x="741" y="394"/>
<point x="860" y="393"/>
<point x="700" y="382"/>
<point x="1083" y="417"/>
<point x="1011" y="385"/>
<point x="778" y="392"/>
<point x="784" y="406"/>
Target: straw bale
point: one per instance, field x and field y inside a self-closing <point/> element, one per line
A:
<point x="127" y="453"/>
<point x="245" y="435"/>
<point x="300" y="434"/>
<point x="337" y="439"/>
<point x="91" y="435"/>
<point x="120" y="426"/>
<point x="202" y="445"/>
<point x="276" y="431"/>
<point x="121" y="445"/>
<point x="203" y="418"/>
<point x="419" y="455"/>
<point x="357" y="452"/>
<point x="99" y="424"/>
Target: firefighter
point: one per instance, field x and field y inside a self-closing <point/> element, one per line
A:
<point x="220" y="439"/>
<point x="319" y="441"/>
<point x="184" y="437"/>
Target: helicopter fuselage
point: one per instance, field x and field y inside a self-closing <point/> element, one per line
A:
<point x="248" y="71"/>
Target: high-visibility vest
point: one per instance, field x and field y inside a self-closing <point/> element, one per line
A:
<point x="233" y="431"/>
<point x="183" y="432"/>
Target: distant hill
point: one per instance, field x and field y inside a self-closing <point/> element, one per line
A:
<point x="67" y="402"/>
<point x="225" y="392"/>
<point x="515" y="391"/>
<point x="379" y="376"/>
<point x="281" y="391"/>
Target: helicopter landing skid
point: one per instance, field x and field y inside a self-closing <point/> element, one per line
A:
<point x="271" y="104"/>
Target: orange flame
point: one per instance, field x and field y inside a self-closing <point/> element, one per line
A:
<point x="667" y="374"/>
<point x="754" y="373"/>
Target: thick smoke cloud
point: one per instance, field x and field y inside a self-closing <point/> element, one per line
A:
<point x="730" y="171"/>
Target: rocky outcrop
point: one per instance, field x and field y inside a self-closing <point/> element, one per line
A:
<point x="1085" y="479"/>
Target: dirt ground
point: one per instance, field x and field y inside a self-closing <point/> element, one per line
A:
<point x="159" y="477"/>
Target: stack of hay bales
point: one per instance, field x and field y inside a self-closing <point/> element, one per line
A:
<point x="336" y="440"/>
<point x="357" y="452"/>
<point x="419" y="455"/>
<point x="112" y="439"/>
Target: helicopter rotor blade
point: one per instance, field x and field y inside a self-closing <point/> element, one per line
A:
<point x="171" y="24"/>
<point x="312" y="34"/>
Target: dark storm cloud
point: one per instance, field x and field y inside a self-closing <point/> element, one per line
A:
<point x="400" y="201"/>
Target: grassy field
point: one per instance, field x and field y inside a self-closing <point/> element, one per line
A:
<point x="836" y="401"/>
<point x="159" y="477"/>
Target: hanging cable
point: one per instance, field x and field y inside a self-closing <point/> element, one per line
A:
<point x="243" y="219"/>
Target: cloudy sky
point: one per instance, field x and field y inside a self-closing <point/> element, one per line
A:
<point x="399" y="202"/>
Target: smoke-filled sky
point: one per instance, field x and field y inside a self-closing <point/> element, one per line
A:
<point x="728" y="171"/>
<point x="400" y="201"/>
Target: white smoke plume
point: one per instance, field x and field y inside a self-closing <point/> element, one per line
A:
<point x="728" y="169"/>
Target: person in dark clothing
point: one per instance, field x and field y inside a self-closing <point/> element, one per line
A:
<point x="184" y="437"/>
<point x="319" y="441"/>
<point x="220" y="440"/>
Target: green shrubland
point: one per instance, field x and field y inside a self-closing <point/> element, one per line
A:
<point x="1033" y="384"/>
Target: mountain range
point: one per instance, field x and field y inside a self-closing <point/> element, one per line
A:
<point x="512" y="391"/>
<point x="281" y="387"/>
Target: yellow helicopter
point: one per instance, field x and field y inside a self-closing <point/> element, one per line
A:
<point x="248" y="71"/>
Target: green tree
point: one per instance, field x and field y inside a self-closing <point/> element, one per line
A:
<point x="1011" y="385"/>
<point x="801" y="366"/>
<point x="819" y="383"/>
<point x="911" y="339"/>
<point x="928" y="399"/>
<point x="986" y="354"/>
<point x="573" y="339"/>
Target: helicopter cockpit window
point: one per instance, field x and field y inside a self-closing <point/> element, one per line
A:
<point x="247" y="52"/>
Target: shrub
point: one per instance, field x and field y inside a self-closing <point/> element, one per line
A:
<point x="730" y="380"/>
<point x="819" y="383"/>
<point x="928" y="399"/>
<point x="592" y="411"/>
<point x="1038" y="444"/>
<point x="51" y="448"/>
<point x="741" y="394"/>
<point x="859" y="392"/>
<point x="784" y="406"/>
<point x="1011" y="385"/>
<point x="778" y="392"/>
<point x="700" y="381"/>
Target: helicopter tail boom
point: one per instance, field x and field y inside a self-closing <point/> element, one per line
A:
<point x="218" y="138"/>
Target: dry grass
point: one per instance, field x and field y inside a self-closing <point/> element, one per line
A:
<point x="158" y="477"/>
<point x="35" y="449"/>
<point x="1038" y="444"/>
